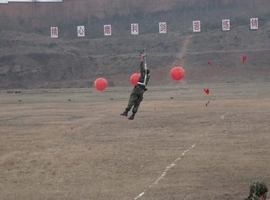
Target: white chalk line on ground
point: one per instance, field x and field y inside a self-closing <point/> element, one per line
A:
<point x="165" y="171"/>
<point x="173" y="164"/>
<point x="222" y="117"/>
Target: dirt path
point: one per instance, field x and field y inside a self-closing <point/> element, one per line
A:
<point x="180" y="57"/>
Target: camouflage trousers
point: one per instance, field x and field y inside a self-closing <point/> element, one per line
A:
<point x="135" y="99"/>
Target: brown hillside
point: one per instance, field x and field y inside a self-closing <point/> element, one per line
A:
<point x="31" y="59"/>
<point x="77" y="11"/>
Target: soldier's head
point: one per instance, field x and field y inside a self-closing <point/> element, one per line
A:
<point x="258" y="191"/>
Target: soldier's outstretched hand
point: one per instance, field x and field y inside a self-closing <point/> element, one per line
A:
<point x="143" y="56"/>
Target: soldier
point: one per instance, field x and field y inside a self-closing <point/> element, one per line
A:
<point x="136" y="95"/>
<point x="258" y="191"/>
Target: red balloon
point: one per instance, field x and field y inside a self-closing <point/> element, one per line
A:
<point x="177" y="73"/>
<point x="101" y="84"/>
<point x="134" y="78"/>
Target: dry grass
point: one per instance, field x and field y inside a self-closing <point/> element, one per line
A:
<point x="73" y="144"/>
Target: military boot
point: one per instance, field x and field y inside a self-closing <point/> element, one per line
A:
<point x="125" y="113"/>
<point x="132" y="116"/>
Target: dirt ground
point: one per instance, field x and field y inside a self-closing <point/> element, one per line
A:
<point x="67" y="144"/>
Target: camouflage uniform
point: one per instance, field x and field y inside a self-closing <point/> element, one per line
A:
<point x="136" y="95"/>
<point x="257" y="189"/>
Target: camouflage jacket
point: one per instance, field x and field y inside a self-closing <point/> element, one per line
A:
<point x="145" y="75"/>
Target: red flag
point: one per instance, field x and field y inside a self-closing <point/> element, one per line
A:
<point x="206" y="90"/>
<point x="209" y="63"/>
<point x="244" y="57"/>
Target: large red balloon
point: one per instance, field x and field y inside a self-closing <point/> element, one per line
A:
<point x="177" y="73"/>
<point x="134" y="78"/>
<point x="101" y="84"/>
